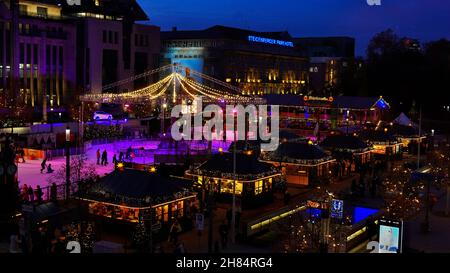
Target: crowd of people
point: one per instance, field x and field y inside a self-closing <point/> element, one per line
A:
<point x="28" y="195"/>
<point x="43" y="240"/>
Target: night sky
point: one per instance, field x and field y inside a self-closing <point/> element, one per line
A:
<point x="423" y="19"/>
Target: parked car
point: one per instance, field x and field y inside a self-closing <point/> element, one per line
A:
<point x="101" y="115"/>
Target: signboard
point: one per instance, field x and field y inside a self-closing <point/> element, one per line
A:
<point x="390" y="236"/>
<point x="270" y="41"/>
<point x="199" y="221"/>
<point x="337" y="208"/>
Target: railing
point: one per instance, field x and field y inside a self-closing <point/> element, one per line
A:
<point x="51" y="194"/>
<point x="62" y="152"/>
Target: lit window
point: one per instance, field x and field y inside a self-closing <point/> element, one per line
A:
<point x="258" y="187"/>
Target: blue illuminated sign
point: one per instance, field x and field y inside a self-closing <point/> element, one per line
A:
<point x="270" y="41"/>
<point x="337" y="209"/>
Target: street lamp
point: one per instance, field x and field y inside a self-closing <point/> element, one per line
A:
<point x="67" y="163"/>
<point x="233" y="210"/>
<point x="163" y="120"/>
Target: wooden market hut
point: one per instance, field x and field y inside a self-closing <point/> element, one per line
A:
<point x="348" y="147"/>
<point x="126" y="194"/>
<point x="383" y="142"/>
<point x="254" y="179"/>
<point x="302" y="163"/>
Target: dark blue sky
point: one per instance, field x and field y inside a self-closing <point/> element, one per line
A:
<point x="422" y="19"/>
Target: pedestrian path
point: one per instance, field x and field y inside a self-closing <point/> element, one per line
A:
<point x="438" y="239"/>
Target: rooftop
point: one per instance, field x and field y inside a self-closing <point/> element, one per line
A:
<point x="349" y="142"/>
<point x="346" y="102"/>
<point x="124" y="185"/>
<point x="248" y="165"/>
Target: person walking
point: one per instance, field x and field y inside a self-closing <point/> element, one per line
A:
<point x="14" y="242"/>
<point x="174" y="230"/>
<point x="24" y="193"/>
<point x="121" y="157"/>
<point x="43" y="164"/>
<point x="114" y="160"/>
<point x="39" y="194"/>
<point x="223" y="231"/>
<point x="104" y="158"/>
<point x="30" y="194"/>
<point x="98" y="156"/>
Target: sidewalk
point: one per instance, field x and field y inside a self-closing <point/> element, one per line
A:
<point x="438" y="239"/>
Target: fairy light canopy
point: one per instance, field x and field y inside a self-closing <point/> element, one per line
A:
<point x="178" y="78"/>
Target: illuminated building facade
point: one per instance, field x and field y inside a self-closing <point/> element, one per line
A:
<point x="257" y="62"/>
<point x="302" y="114"/>
<point x="330" y="58"/>
<point x="51" y="52"/>
<point x="37" y="60"/>
<point x="111" y="46"/>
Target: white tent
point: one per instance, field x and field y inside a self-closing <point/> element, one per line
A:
<point x="402" y="119"/>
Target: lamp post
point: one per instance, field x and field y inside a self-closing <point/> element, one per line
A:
<point x="233" y="209"/>
<point x="420" y="140"/>
<point x="163" y="120"/>
<point x="67" y="163"/>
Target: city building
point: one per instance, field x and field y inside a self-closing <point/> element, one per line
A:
<point x="329" y="59"/>
<point x="315" y="117"/>
<point x="256" y="62"/>
<point x="37" y="60"/>
<point x="51" y="52"/>
<point x="112" y="46"/>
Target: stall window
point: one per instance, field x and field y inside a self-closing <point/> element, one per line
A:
<point x="258" y="187"/>
<point x="226" y="186"/>
<point x="178" y="209"/>
<point x="268" y="185"/>
<point x="162" y="213"/>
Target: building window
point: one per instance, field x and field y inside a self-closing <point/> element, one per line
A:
<point x="23" y="9"/>
<point x="42" y="12"/>
<point x="162" y="213"/>
<point x="104" y="36"/>
<point x="227" y="187"/>
<point x="116" y="39"/>
<point x="178" y="209"/>
<point x="258" y="187"/>
<point x="110" y="38"/>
